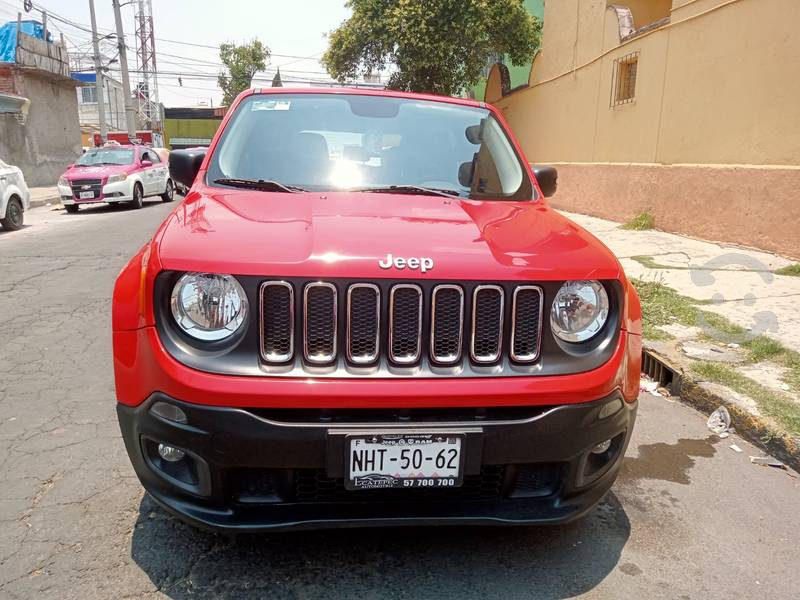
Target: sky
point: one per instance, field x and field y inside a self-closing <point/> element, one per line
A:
<point x="294" y="30"/>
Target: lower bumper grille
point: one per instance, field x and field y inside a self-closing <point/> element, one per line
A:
<point x="270" y="486"/>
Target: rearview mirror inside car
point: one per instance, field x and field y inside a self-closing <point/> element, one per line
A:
<point x="184" y="164"/>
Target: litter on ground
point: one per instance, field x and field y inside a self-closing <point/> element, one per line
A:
<point x="767" y="461"/>
<point x="719" y="421"/>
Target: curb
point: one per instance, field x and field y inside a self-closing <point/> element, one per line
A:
<point x="757" y="430"/>
<point x="52" y="200"/>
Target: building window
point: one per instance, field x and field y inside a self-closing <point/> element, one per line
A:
<point x="623" y="79"/>
<point x="88" y="94"/>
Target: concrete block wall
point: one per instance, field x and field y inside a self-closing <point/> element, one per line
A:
<point x="50" y="138"/>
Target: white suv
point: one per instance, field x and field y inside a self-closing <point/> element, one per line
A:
<point x="14" y="197"/>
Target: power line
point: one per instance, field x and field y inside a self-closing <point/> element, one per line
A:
<point x="38" y="6"/>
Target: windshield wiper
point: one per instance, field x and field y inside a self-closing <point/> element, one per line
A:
<point x="410" y="189"/>
<point x="260" y="184"/>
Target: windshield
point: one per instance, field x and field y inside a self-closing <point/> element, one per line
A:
<point x="106" y="156"/>
<point x="325" y="142"/>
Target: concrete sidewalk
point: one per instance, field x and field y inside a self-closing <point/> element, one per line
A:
<point x="739" y="283"/>
<point x="42" y="196"/>
<point x="749" y="360"/>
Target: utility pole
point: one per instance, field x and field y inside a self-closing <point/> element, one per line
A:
<point x="123" y="64"/>
<point x="98" y="69"/>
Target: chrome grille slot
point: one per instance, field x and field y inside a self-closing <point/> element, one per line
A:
<point x="319" y="323"/>
<point x="276" y="300"/>
<point x="526" y="323"/>
<point x="405" y="324"/>
<point x="487" y="323"/>
<point x="363" y="323"/>
<point x="447" y="324"/>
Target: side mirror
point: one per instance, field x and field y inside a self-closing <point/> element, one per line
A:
<point x="465" y="172"/>
<point x="474" y="133"/>
<point x="547" y="178"/>
<point x="146" y="163"/>
<point x="184" y="165"/>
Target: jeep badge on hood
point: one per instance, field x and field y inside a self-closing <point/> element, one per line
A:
<point x="424" y="264"/>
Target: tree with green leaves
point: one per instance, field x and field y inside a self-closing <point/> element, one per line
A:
<point x="438" y="46"/>
<point x="241" y="63"/>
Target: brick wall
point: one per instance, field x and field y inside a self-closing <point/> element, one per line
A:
<point x="7" y="85"/>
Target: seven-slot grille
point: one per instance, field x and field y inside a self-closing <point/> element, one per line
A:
<point x="400" y="323"/>
<point x="87" y="185"/>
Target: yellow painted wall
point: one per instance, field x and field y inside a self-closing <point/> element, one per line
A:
<point x="646" y="11"/>
<point x="719" y="85"/>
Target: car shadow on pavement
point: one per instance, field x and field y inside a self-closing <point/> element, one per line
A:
<point x="434" y="562"/>
<point x="102" y="208"/>
<point x="7" y="232"/>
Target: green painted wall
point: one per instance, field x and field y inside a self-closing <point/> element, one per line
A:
<point x="519" y="73"/>
<point x="190" y="128"/>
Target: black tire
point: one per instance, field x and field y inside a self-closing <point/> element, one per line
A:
<point x="72" y="208"/>
<point x="14" y="215"/>
<point x="138" y="196"/>
<point x="169" y="194"/>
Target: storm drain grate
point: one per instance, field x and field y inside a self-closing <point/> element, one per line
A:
<point x="660" y="371"/>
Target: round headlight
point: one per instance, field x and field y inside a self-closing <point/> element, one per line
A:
<point x="579" y="311"/>
<point x="207" y="306"/>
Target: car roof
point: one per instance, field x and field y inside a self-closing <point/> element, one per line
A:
<point x="116" y="147"/>
<point x="369" y="92"/>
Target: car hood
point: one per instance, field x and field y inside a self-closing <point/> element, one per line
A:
<point x="98" y="172"/>
<point x="346" y="234"/>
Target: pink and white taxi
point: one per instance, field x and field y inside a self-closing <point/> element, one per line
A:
<point x="115" y="174"/>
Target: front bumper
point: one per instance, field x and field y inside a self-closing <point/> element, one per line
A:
<point x="264" y="469"/>
<point x="120" y="191"/>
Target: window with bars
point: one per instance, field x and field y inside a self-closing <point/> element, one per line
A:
<point x="623" y="79"/>
<point x="88" y="94"/>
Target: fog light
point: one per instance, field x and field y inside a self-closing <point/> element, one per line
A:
<point x="599" y="449"/>
<point x="170" y="454"/>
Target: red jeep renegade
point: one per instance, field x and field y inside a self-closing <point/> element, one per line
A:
<point x="366" y="313"/>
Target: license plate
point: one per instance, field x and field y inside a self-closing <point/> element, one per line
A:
<point x="404" y="460"/>
<point x="86" y="195"/>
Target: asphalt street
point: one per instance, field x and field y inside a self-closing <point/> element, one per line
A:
<point x="688" y="518"/>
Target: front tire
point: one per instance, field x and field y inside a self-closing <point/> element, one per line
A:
<point x="14" y="215"/>
<point x="72" y="208"/>
<point x="169" y="194"/>
<point x="138" y="196"/>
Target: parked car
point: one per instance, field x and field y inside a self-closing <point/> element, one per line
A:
<point x="14" y="197"/>
<point x="366" y="313"/>
<point x="115" y="174"/>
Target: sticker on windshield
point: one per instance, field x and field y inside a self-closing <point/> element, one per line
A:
<point x="271" y="105"/>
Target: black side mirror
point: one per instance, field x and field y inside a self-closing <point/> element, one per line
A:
<point x="547" y="178"/>
<point x="184" y="165"/>
<point x="474" y="133"/>
<point x="466" y="170"/>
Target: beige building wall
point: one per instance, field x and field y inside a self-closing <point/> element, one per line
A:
<point x="718" y="83"/>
